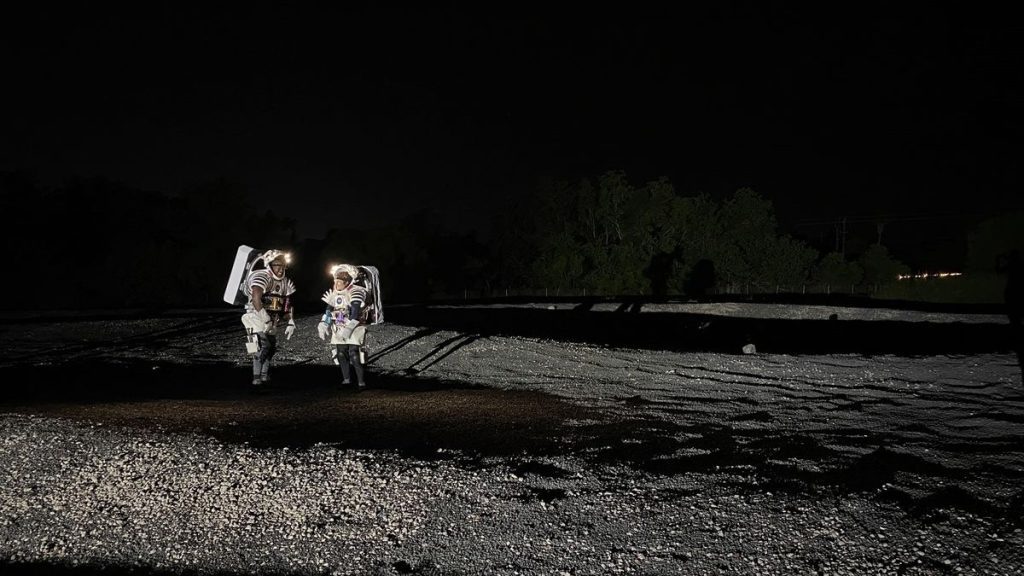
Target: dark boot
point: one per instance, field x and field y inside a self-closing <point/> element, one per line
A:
<point x="353" y="356"/>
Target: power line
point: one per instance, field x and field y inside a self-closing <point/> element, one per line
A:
<point x="842" y="220"/>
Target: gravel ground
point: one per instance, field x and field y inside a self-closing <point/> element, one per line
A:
<point x="501" y="455"/>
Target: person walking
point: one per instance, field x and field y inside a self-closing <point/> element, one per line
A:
<point x="268" y="311"/>
<point x="345" y="321"/>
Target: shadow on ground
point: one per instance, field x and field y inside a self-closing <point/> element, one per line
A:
<point x="414" y="415"/>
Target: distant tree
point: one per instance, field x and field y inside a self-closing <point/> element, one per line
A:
<point x="835" y="271"/>
<point x="586" y="235"/>
<point x="611" y="237"/>
<point x="662" y="217"/>
<point x="555" y="235"/>
<point x="747" y="226"/>
<point x="661" y="221"/>
<point x="560" y="264"/>
<point x="880" y="268"/>
<point x="699" y="225"/>
<point x="750" y="251"/>
<point x="788" y="263"/>
<point x="619" y="239"/>
<point x="699" y="236"/>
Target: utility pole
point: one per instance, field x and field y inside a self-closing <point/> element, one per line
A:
<point x="841" y="237"/>
<point x="844" y="238"/>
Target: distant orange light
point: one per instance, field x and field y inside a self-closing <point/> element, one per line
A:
<point x="925" y="275"/>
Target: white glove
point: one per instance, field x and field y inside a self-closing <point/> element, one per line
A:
<point x="348" y="327"/>
<point x="256" y="321"/>
<point x="322" y="330"/>
<point x="329" y="297"/>
<point x="289" y="330"/>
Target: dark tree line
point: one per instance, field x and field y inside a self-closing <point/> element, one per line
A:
<point x="608" y="236"/>
<point x="94" y="244"/>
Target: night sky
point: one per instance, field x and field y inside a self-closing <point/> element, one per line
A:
<point x="904" y="113"/>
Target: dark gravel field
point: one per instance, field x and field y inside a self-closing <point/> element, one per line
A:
<point x="529" y="439"/>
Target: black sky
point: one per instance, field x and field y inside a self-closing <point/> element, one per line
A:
<point x="909" y="111"/>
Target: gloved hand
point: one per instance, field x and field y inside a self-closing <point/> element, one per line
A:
<point x="289" y="330"/>
<point x="330" y="297"/>
<point x="322" y="330"/>
<point x="256" y="321"/>
<point x="348" y="327"/>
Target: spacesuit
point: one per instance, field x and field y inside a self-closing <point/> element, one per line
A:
<point x="268" y="310"/>
<point x="344" y="322"/>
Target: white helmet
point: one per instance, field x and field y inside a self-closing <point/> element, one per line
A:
<point x="349" y="269"/>
<point x="272" y="255"/>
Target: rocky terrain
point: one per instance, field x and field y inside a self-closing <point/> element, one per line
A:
<point x="517" y="440"/>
